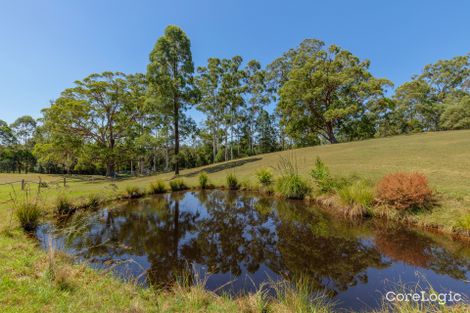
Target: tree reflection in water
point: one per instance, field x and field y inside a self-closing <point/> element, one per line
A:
<point x="236" y="233"/>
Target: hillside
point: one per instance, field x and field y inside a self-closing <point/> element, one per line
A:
<point x="442" y="156"/>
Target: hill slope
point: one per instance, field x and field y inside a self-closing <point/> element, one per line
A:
<point x="444" y="157"/>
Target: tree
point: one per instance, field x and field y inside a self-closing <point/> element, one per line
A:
<point x="169" y="74"/>
<point x="232" y="90"/>
<point x="258" y="97"/>
<point x="421" y="101"/>
<point x="7" y="136"/>
<point x="456" y="114"/>
<point x="266" y="132"/>
<point x="99" y="111"/>
<point x="332" y="87"/>
<point x="209" y="85"/>
<point x="24" y="128"/>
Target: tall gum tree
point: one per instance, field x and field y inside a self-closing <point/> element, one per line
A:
<point x="326" y="90"/>
<point x="170" y="78"/>
<point x="98" y="110"/>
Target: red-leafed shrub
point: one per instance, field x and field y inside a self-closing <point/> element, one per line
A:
<point x="404" y="191"/>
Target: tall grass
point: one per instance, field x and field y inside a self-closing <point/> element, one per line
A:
<point x="291" y="185"/>
<point x="64" y="205"/>
<point x="358" y="197"/>
<point x="27" y="209"/>
<point x="298" y="297"/>
<point x="133" y="192"/>
<point x="203" y="180"/>
<point x="265" y="177"/>
<point x="178" y="185"/>
<point x="157" y="187"/>
<point x="232" y="181"/>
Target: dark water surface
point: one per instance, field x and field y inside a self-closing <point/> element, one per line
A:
<point x="239" y="241"/>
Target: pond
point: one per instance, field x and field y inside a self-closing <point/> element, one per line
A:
<point x="239" y="241"/>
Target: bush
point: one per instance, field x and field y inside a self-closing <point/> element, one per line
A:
<point x="203" y="180"/>
<point x="94" y="201"/>
<point x="265" y="177"/>
<point x="28" y="214"/>
<point x="64" y="206"/>
<point x="177" y="185"/>
<point x="292" y="186"/>
<point x="323" y="179"/>
<point x="133" y="192"/>
<point x="157" y="187"/>
<point x="405" y="191"/>
<point x="232" y="181"/>
<point x="358" y="196"/>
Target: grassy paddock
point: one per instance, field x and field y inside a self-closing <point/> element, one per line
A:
<point x="26" y="286"/>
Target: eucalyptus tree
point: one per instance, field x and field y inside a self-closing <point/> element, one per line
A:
<point x="24" y="128"/>
<point x="232" y="91"/>
<point x="99" y="111"/>
<point x="209" y="85"/>
<point x="257" y="97"/>
<point x="329" y="89"/>
<point x="170" y="79"/>
<point x="422" y="100"/>
<point x="278" y="71"/>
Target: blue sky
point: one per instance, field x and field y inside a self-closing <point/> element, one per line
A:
<point x="46" y="45"/>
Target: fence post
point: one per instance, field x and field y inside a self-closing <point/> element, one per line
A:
<point x="65" y="181"/>
<point x="39" y="184"/>
<point x="22" y="184"/>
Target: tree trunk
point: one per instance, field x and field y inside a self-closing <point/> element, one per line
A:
<point x="330" y="133"/>
<point x="214" y="146"/>
<point x="177" y="135"/>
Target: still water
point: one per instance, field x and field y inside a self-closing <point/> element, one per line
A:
<point x="238" y="242"/>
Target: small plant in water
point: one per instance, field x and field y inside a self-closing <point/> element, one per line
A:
<point x="157" y="187"/>
<point x="203" y="180"/>
<point x="64" y="206"/>
<point x="232" y="181"/>
<point x="177" y="185"/>
<point x="133" y="192"/>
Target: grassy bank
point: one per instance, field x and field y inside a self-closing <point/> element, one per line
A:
<point x="27" y="285"/>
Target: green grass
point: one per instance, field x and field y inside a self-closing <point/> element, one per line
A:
<point x="26" y="287"/>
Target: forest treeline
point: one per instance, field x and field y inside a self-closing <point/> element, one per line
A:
<point x="313" y="94"/>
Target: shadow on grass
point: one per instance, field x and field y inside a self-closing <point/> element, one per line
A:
<point x="220" y="167"/>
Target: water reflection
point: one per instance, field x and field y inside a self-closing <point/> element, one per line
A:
<point x="234" y="235"/>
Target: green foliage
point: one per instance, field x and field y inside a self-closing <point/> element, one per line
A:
<point x="325" y="182"/>
<point x="133" y="192"/>
<point x="169" y="74"/>
<point x="292" y="186"/>
<point x="456" y="114"/>
<point x="28" y="212"/>
<point x="232" y="181"/>
<point x="94" y="201"/>
<point x="329" y="89"/>
<point x="203" y="180"/>
<point x="265" y="177"/>
<point x="421" y="101"/>
<point x="357" y="195"/>
<point x="157" y="187"/>
<point x="178" y="185"/>
<point x="64" y="205"/>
